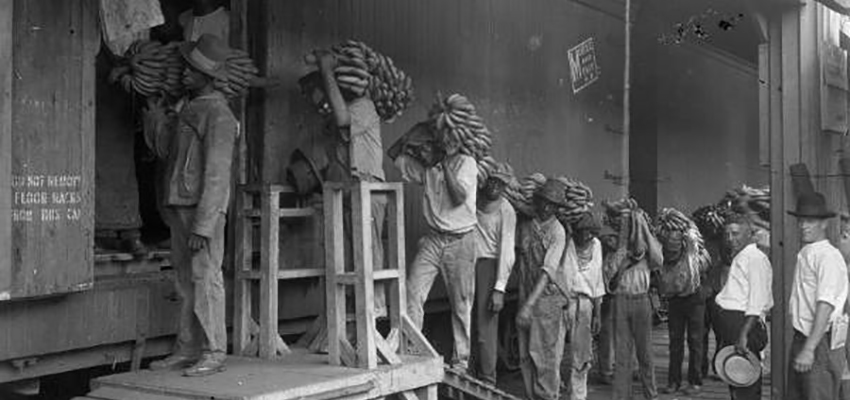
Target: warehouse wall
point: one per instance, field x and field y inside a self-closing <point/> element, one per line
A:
<point x="509" y="58"/>
<point x="708" y="132"/>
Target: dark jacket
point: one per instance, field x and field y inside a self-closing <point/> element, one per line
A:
<point x="198" y="171"/>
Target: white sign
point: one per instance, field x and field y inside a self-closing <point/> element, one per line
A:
<point x="583" y="67"/>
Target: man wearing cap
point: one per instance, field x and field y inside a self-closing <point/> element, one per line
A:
<point x="352" y="135"/>
<point x="496" y="230"/>
<point x="582" y="263"/>
<point x="543" y="289"/>
<point x="197" y="193"/>
<point x="744" y="300"/>
<point x="450" y="181"/>
<point x="638" y="253"/>
<point x="818" y="296"/>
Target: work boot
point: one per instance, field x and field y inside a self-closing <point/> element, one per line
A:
<point x="692" y="390"/>
<point x="670" y="389"/>
<point x="174" y="361"/>
<point x="211" y="363"/>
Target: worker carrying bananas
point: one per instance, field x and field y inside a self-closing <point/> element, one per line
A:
<point x="450" y="181"/>
<point x="637" y="254"/>
<point x="685" y="260"/>
<point x="543" y="290"/>
<point x="354" y="150"/>
<point x="582" y="263"/>
<point x="197" y="193"/>
<point x="495" y="259"/>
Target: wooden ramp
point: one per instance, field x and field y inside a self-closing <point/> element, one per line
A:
<point x="299" y="375"/>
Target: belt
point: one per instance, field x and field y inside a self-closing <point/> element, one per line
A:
<point x="632" y="296"/>
<point x="455" y="235"/>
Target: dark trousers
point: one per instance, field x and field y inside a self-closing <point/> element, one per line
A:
<point x="606" y="337"/>
<point x="710" y="324"/>
<point x="633" y="335"/>
<point x="686" y="315"/>
<point x="486" y="327"/>
<point x="823" y="381"/>
<point x="728" y="326"/>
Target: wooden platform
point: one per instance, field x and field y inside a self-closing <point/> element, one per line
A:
<point x="299" y="375"/>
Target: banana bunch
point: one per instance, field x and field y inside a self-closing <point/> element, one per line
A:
<point x="362" y="71"/>
<point x="519" y="193"/>
<point x="147" y="68"/>
<point x="710" y="220"/>
<point x="241" y="75"/>
<point x="672" y="220"/>
<point x="486" y="165"/>
<point x="748" y="200"/>
<point x="456" y="122"/>
<point x="579" y="199"/>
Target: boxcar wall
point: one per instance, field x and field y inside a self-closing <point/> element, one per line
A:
<point x="511" y="58"/>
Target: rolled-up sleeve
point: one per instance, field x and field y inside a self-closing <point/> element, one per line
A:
<point x="832" y="280"/>
<point x="507" y="254"/>
<point x="554" y="251"/>
<point x="411" y="170"/>
<point x="467" y="174"/>
<point x="760" y="279"/>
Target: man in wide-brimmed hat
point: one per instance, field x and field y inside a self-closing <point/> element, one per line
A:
<point x="197" y="193"/>
<point x="745" y="298"/>
<point x="638" y="253"/>
<point x="543" y="290"/>
<point x="818" y="296"/>
<point x="496" y="231"/>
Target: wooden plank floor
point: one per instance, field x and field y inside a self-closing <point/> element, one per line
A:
<point x="713" y="389"/>
<point x="298" y="375"/>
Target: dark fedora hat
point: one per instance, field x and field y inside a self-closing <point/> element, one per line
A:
<point x="812" y="205"/>
<point x="303" y="174"/>
<point x="208" y="55"/>
<point x="553" y="191"/>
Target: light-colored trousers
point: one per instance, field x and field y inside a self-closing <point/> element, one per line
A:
<point x="200" y="286"/>
<point x="541" y="346"/>
<point x="580" y="351"/>
<point x="452" y="256"/>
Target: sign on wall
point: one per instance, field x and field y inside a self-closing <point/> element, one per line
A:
<point x="583" y="67"/>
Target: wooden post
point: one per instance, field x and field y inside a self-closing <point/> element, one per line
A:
<point x="397" y="302"/>
<point x="6" y="58"/>
<point x="624" y="151"/>
<point x="243" y="257"/>
<point x="269" y="250"/>
<point x="335" y="265"/>
<point x="364" y="290"/>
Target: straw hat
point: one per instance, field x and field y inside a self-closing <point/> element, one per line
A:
<point x="735" y="369"/>
<point x="208" y="55"/>
<point x="303" y="174"/>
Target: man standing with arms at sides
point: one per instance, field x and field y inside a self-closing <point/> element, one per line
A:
<point x="745" y="298"/>
<point x="450" y="181"/>
<point x="638" y="253"/>
<point x="543" y="288"/>
<point x="685" y="259"/>
<point x="818" y="296"/>
<point x="495" y="260"/>
<point x="197" y="193"/>
<point x="583" y="266"/>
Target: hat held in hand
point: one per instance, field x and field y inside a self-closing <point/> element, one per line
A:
<point x="736" y="369"/>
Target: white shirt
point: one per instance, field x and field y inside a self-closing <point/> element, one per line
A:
<point x="440" y="212"/>
<point x="584" y="278"/>
<point x="216" y="23"/>
<point x="820" y="275"/>
<point x="750" y="284"/>
<point x="495" y="239"/>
